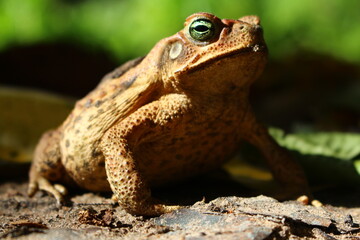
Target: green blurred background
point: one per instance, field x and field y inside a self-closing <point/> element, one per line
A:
<point x="125" y="29"/>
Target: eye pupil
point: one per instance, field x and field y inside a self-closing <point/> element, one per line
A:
<point x="202" y="29"/>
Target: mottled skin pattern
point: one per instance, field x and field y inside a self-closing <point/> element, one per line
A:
<point x="180" y="111"/>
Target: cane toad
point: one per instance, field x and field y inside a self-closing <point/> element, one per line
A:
<point x="180" y="111"/>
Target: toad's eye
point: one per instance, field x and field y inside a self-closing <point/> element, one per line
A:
<point x="202" y="29"/>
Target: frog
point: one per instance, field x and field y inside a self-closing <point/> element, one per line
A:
<point x="180" y="111"/>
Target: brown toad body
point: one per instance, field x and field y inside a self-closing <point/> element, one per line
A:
<point x="180" y="111"/>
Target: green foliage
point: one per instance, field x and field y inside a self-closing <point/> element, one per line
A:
<point x="130" y="28"/>
<point x="329" y="157"/>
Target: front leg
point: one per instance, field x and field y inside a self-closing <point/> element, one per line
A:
<point x="120" y="142"/>
<point x="284" y="168"/>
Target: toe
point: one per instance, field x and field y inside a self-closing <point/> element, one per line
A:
<point x="32" y="188"/>
<point x="57" y="191"/>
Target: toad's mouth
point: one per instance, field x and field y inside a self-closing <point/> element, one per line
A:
<point x="251" y="49"/>
<point x="256" y="48"/>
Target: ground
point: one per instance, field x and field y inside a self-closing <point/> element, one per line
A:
<point x="93" y="216"/>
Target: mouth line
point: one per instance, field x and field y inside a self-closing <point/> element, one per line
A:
<point x="256" y="48"/>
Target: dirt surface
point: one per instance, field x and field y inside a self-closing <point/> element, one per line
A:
<point x="92" y="216"/>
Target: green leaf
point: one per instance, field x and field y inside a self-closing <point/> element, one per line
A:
<point x="325" y="156"/>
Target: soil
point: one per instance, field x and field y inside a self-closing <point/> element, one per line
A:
<point x="93" y="216"/>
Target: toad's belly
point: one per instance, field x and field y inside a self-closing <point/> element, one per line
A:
<point x="182" y="154"/>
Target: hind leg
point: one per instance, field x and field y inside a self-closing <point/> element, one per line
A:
<point x="284" y="168"/>
<point x="47" y="166"/>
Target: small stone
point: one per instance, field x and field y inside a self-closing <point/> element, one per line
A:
<point x="316" y="203"/>
<point x="303" y="199"/>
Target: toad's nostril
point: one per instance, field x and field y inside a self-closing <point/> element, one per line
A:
<point x="259" y="48"/>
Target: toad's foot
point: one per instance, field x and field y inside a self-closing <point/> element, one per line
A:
<point x="151" y="209"/>
<point x="47" y="167"/>
<point x="41" y="183"/>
